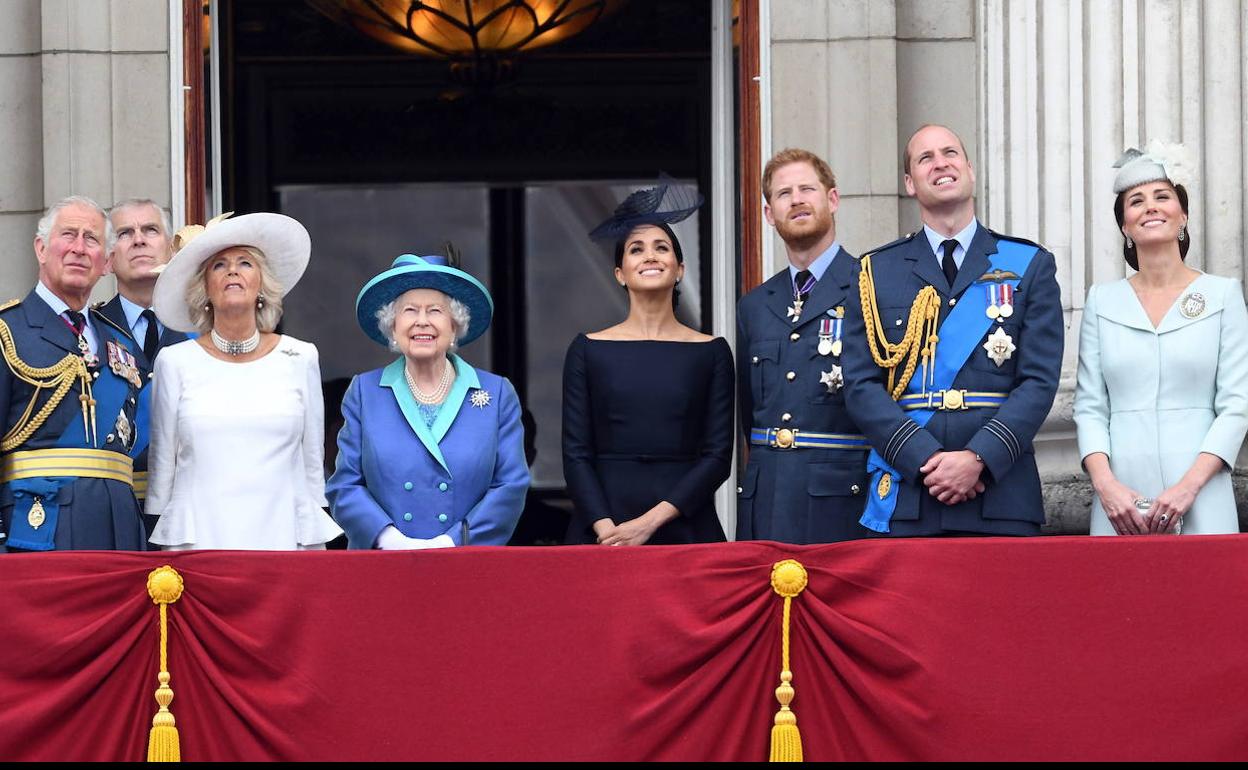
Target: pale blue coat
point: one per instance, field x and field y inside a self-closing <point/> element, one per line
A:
<point x="1153" y="399"/>
<point x="466" y="473"/>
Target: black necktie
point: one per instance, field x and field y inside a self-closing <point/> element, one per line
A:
<point x="76" y="320"/>
<point x="151" y="340"/>
<point x="947" y="264"/>
<point x="800" y="281"/>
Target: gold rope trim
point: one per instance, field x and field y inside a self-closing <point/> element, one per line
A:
<point x="920" y="337"/>
<point x="164" y="585"/>
<point x="788" y="579"/>
<point x="59" y="376"/>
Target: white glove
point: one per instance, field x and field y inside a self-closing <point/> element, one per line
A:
<point x="391" y="539"/>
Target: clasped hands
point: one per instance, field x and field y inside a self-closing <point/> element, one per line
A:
<point x="1162" y="517"/>
<point x="953" y="477"/>
<point x="391" y="539"/>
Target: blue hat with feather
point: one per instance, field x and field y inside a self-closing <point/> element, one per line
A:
<point x="412" y="272"/>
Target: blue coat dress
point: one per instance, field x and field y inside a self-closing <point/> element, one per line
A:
<point x="464" y="477"/>
<point x="1002" y="434"/>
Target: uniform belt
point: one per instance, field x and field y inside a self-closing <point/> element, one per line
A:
<point x="80" y="463"/>
<point x="951" y="400"/>
<point x="793" y="438"/>
<point x="140" y="484"/>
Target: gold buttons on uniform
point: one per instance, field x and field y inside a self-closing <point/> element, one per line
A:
<point x="786" y="417"/>
<point x="795" y="336"/>
<point x="854" y="489"/>
<point x="740" y="490"/>
<point x="897" y="322"/>
<point x="754" y="360"/>
<point x="791" y="376"/>
<point x="953" y="301"/>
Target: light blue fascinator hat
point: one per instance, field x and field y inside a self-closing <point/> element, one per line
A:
<point x="1157" y="161"/>
<point x="412" y="272"/>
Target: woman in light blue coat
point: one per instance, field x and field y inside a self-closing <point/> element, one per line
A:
<point x="1161" y="406"/>
<point x="431" y="452"/>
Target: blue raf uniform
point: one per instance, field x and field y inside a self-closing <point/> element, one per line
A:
<point x="67" y="471"/>
<point x="998" y="356"/>
<point x="805" y="479"/>
<point x="463" y="476"/>
<point x="127" y="317"/>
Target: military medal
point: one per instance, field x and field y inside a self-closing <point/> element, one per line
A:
<point x="830" y="336"/>
<point x="84" y="348"/>
<point x="123" y="364"/>
<point x="123" y="428"/>
<point x="37" y="515"/>
<point x="999" y="346"/>
<point x="480" y="398"/>
<point x="1192" y="305"/>
<point x="1007" y="300"/>
<point x="795" y="310"/>
<point x="994" y="310"/>
<point x="834" y="380"/>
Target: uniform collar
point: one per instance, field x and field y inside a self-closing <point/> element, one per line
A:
<point x="963" y="237"/>
<point x="820" y="265"/>
<point x="58" y="305"/>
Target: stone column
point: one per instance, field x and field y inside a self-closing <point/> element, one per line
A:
<point x="833" y="89"/>
<point x="1066" y="87"/>
<point x="84" y="109"/>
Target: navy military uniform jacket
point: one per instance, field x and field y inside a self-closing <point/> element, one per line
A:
<point x="799" y="495"/>
<point x="114" y="312"/>
<point x="1002" y="436"/>
<point x="94" y="513"/>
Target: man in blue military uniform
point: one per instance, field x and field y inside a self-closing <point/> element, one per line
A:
<point x="953" y="352"/>
<point x="141" y="243"/>
<point x="806" y="477"/>
<point x="68" y="390"/>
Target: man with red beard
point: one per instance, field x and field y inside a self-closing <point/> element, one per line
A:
<point x="806" y="476"/>
<point x="952" y="357"/>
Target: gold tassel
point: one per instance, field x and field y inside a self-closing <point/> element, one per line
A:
<point x="164" y="585"/>
<point x="788" y="579"/>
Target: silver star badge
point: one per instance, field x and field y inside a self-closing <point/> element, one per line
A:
<point x="795" y="311"/>
<point x="999" y="346"/>
<point x="834" y="380"/>
<point x="480" y="398"/>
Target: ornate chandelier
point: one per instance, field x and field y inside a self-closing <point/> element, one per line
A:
<point x="467" y="30"/>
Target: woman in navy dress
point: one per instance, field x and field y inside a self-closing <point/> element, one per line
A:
<point x="647" y="403"/>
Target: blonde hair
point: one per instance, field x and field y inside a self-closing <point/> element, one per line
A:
<point x="267" y="316"/>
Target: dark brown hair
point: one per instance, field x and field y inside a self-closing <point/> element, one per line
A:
<point x="680" y="255"/>
<point x="1128" y="248"/>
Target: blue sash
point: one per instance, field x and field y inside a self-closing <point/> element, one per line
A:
<point x="960" y="335"/>
<point x="110" y="393"/>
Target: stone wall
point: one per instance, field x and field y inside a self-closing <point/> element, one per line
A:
<point x="84" y="109"/>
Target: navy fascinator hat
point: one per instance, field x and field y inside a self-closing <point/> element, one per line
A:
<point x="665" y="203"/>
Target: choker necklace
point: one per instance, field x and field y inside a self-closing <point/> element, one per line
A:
<point x="439" y="393"/>
<point x="236" y="347"/>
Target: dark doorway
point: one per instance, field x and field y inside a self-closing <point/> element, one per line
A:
<point x="381" y="153"/>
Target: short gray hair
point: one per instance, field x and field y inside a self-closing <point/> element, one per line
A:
<point x="267" y="317"/>
<point x="461" y="320"/>
<point x="129" y="203"/>
<point x="44" y="228"/>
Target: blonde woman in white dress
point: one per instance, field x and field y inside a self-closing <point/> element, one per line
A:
<point x="237" y="413"/>
<point x="1161" y="406"/>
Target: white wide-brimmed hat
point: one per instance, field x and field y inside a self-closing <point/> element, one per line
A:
<point x="283" y="241"/>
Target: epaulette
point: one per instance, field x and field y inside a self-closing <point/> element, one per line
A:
<point x="11" y="303"/>
<point x="1015" y="238"/>
<point x="904" y="239"/>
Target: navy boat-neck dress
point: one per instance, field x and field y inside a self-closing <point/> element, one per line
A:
<point x="645" y="422"/>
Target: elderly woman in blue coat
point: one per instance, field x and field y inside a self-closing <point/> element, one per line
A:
<point x="431" y="452"/>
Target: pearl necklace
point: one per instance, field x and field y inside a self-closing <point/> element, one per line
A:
<point x="439" y="393"/>
<point x="236" y="347"/>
